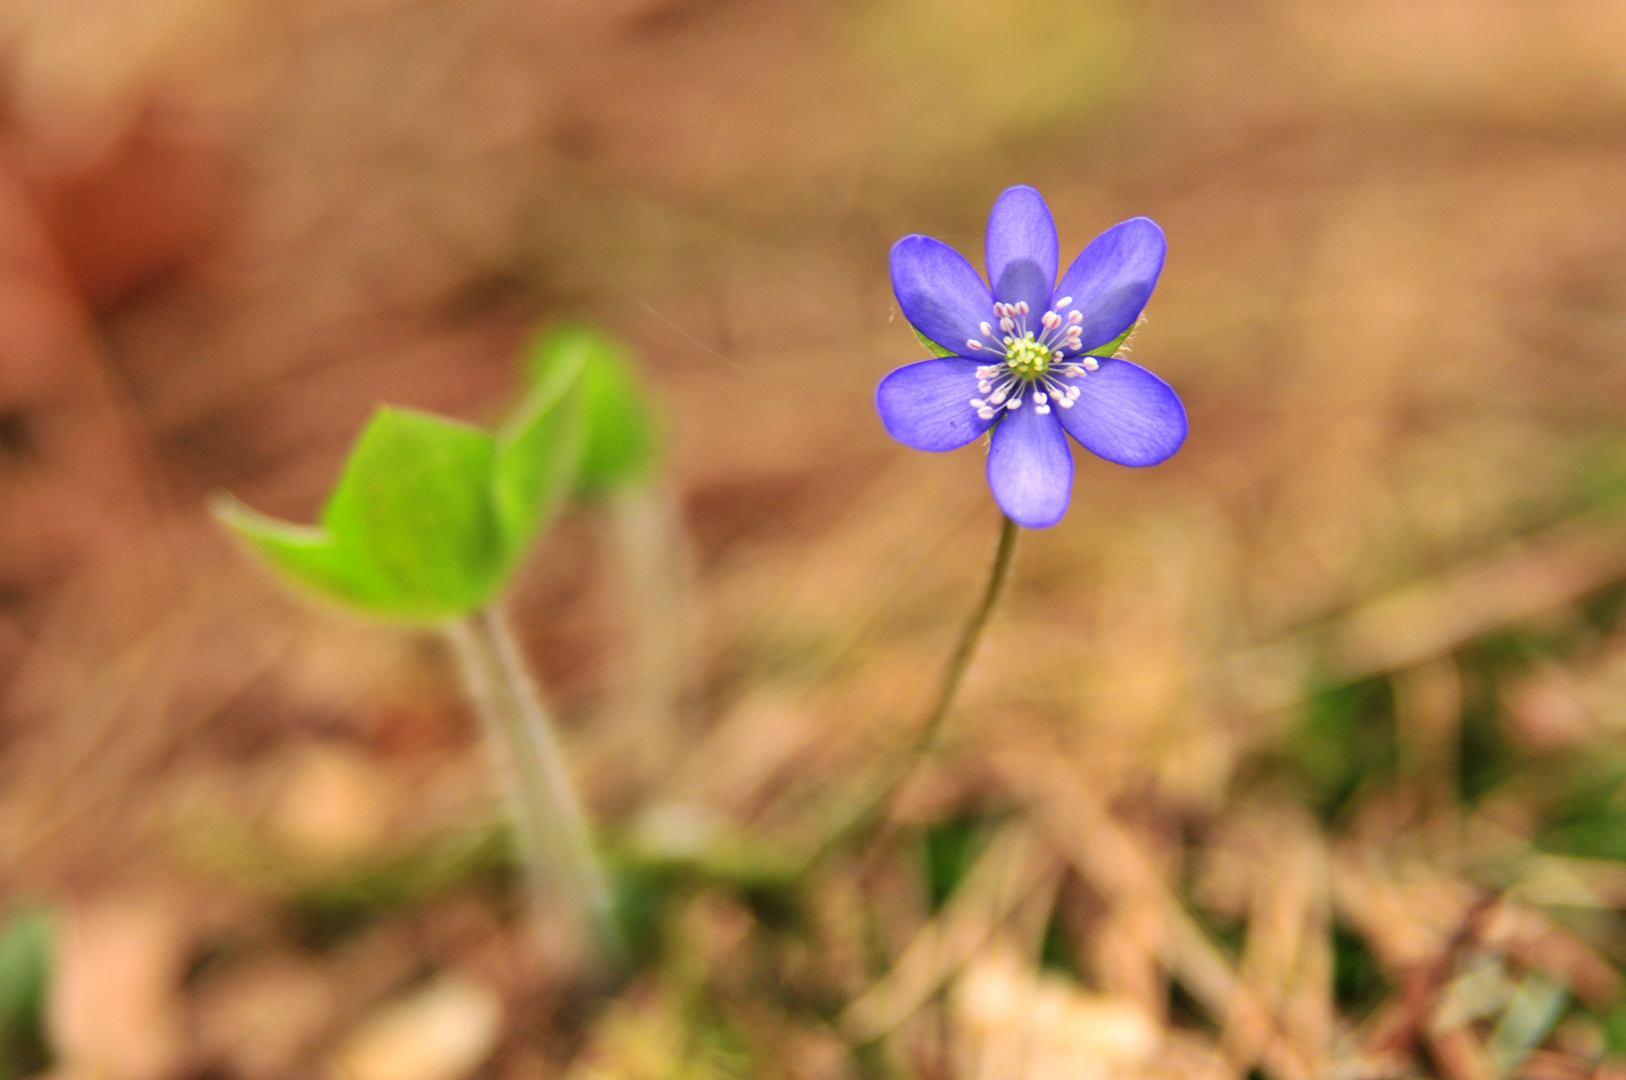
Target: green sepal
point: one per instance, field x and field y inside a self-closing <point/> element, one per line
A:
<point x="1116" y="343"/>
<point x="619" y="439"/>
<point x="1109" y="349"/>
<point x="931" y="346"/>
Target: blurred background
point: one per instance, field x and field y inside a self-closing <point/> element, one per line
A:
<point x="1298" y="756"/>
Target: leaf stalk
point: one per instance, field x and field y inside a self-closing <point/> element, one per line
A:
<point x="550" y="828"/>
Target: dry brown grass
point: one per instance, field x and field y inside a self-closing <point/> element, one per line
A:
<point x="1269" y="755"/>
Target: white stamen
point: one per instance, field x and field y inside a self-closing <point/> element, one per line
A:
<point x="986" y="413"/>
<point x="1066" y="402"/>
<point x="1063" y="302"/>
<point x="1039" y="398"/>
<point x="1050" y="321"/>
<point x="972" y="343"/>
<point x="1007" y="324"/>
<point x="1075" y="331"/>
<point x="1074" y="317"/>
<point x="1021" y="307"/>
<point x="987" y="331"/>
<point x="998" y="397"/>
<point x="1014" y="403"/>
<point x="1043" y="410"/>
<point x="1091" y="364"/>
<point x="985" y="386"/>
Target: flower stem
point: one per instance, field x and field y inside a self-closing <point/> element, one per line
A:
<point x="878" y="810"/>
<point x="550" y="829"/>
<point x="966" y="647"/>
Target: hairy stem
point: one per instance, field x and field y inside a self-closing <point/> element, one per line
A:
<point x="878" y="810"/>
<point x="966" y="647"/>
<point x="550" y="829"/>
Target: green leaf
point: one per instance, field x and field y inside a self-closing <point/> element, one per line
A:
<point x="619" y="447"/>
<point x="413" y="504"/>
<point x="539" y="457"/>
<point x="306" y="554"/>
<point x="430" y="516"/>
<point x="410" y="530"/>
<point x="25" y="972"/>
<point x="931" y="346"/>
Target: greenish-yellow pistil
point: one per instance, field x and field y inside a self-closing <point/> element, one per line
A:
<point x="1026" y="358"/>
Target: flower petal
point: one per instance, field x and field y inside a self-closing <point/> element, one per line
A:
<point x="941" y="295"/>
<point x="928" y="405"/>
<point x="1030" y="467"/>
<point x="1022" y="250"/>
<point x="1126" y="414"/>
<point x="1112" y="279"/>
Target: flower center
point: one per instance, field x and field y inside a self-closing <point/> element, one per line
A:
<point x="1035" y="367"/>
<point x="1026" y="357"/>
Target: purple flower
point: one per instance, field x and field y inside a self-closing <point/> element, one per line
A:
<point x="1021" y="362"/>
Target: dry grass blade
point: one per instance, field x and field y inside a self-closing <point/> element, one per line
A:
<point x="1286" y="963"/>
<point x="1423" y="621"/>
<point x="1417" y="934"/>
<point x="1113" y="862"/>
<point x="1533" y="940"/>
<point x="1015" y="864"/>
<point x="1457" y="1053"/>
<point x="1433" y="616"/>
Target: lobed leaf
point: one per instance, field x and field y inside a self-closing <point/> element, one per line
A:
<point x="539" y="457"/>
<point x="430" y="516"/>
<point x="413" y="504"/>
<point x="306" y="554"/>
<point x="411" y="530"/>
<point x="619" y="438"/>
